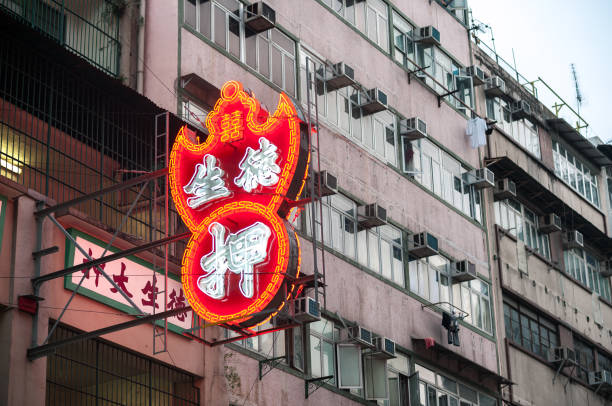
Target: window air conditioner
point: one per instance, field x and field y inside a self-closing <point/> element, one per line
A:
<point x="597" y="378"/>
<point x="520" y="109"/>
<point x="371" y="215"/>
<point x="329" y="184"/>
<point x="550" y="223"/>
<point x="373" y="101"/>
<point x="504" y="189"/>
<point x="428" y="35"/>
<point x="573" y="239"/>
<point x="477" y="74"/>
<point x="413" y="128"/>
<point x="561" y="354"/>
<point x="342" y="75"/>
<point x="605" y="268"/>
<point x="495" y="86"/>
<point x="259" y="17"/>
<point x="422" y="245"/>
<point x="384" y="348"/>
<point x="462" y="271"/>
<point x="305" y="310"/>
<point x="358" y="335"/>
<point x="480" y="178"/>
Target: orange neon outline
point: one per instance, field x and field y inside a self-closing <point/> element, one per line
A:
<point x="285" y="111"/>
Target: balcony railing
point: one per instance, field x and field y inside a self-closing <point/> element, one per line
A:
<point x="89" y="28"/>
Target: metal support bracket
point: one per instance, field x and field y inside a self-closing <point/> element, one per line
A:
<point x="267" y="365"/>
<point x="46" y="251"/>
<point x="412" y="72"/>
<point x="312" y="384"/>
<point x="441" y="96"/>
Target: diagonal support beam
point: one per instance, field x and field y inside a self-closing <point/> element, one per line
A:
<point x="44" y="350"/>
<point x="119" y="186"/>
<point x="109" y="258"/>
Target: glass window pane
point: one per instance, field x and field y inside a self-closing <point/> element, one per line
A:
<point x="315" y="356"/>
<point x="328" y="360"/>
<point x="264" y="56"/>
<point x="220" y="27"/>
<point x="349" y="366"/>
<point x="277" y="67"/>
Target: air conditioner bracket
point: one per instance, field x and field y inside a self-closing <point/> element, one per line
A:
<point x="267" y="365"/>
<point x="312" y="384"/>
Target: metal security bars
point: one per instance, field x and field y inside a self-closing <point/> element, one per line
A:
<point x="65" y="133"/>
<point x="89" y="28"/>
<point x="93" y="372"/>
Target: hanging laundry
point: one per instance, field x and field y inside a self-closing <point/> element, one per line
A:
<point x="475" y="129"/>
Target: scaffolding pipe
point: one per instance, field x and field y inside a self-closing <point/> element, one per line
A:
<point x="114" y="188"/>
<point x="109" y="258"/>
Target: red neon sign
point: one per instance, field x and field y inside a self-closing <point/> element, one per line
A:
<point x="230" y="192"/>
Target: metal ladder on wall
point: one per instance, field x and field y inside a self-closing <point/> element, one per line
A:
<point x="159" y="227"/>
<point x="314" y="184"/>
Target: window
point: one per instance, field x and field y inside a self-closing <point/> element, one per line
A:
<point x="270" y="345"/>
<point x="584" y="357"/>
<point x="529" y="330"/>
<point x="575" y="173"/>
<point x="398" y="371"/>
<point x="604" y="362"/>
<point x="322" y="341"/>
<point x="369" y="16"/>
<point x="379" y="248"/>
<point x="439" y="390"/>
<point x="442" y="174"/>
<point x="340" y="110"/>
<point x="271" y="53"/>
<point x="429" y="279"/>
<point x="584" y="267"/>
<point x="522" y="223"/>
<point x="194" y="114"/>
<point x="523" y="131"/>
<point x="403" y="47"/>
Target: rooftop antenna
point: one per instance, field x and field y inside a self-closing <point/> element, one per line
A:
<point x="578" y="92"/>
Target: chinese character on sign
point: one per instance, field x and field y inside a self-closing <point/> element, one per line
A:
<point x="121" y="280"/>
<point x="177" y="302"/>
<point x="206" y="184"/>
<point x="95" y="268"/>
<point x="258" y="167"/>
<point x="151" y="291"/>
<point x="231" y="125"/>
<point x="238" y="253"/>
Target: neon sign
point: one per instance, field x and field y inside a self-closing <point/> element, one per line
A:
<point x="230" y="191"/>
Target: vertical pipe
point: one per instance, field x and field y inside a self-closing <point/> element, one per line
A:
<point x="141" y="45"/>
<point x="37" y="262"/>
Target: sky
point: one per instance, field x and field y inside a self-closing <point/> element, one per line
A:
<point x="547" y="36"/>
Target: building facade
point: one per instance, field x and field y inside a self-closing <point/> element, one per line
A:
<point x="451" y="269"/>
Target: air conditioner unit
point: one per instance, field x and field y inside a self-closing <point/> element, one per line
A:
<point x="597" y="378"/>
<point x="477" y="74"/>
<point x="371" y="215"/>
<point x="329" y="184"/>
<point x="480" y="178"/>
<point x="413" y="128"/>
<point x="342" y="75"/>
<point x="384" y="348"/>
<point x="422" y="245"/>
<point x="373" y="101"/>
<point x="495" y="86"/>
<point x="462" y="271"/>
<point x="520" y="109"/>
<point x="259" y="17"/>
<point x="305" y="310"/>
<point x="428" y="35"/>
<point x="573" y="239"/>
<point x="358" y="335"/>
<point x="504" y="189"/>
<point x="605" y="268"/>
<point x="561" y="354"/>
<point x="549" y="223"/>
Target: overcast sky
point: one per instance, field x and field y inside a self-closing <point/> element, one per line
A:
<point x="547" y="36"/>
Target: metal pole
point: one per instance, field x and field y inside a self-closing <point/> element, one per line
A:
<point x="42" y="350"/>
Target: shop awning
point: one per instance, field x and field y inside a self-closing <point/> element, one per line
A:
<point x="578" y="142"/>
<point x="548" y="202"/>
<point x="438" y="352"/>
